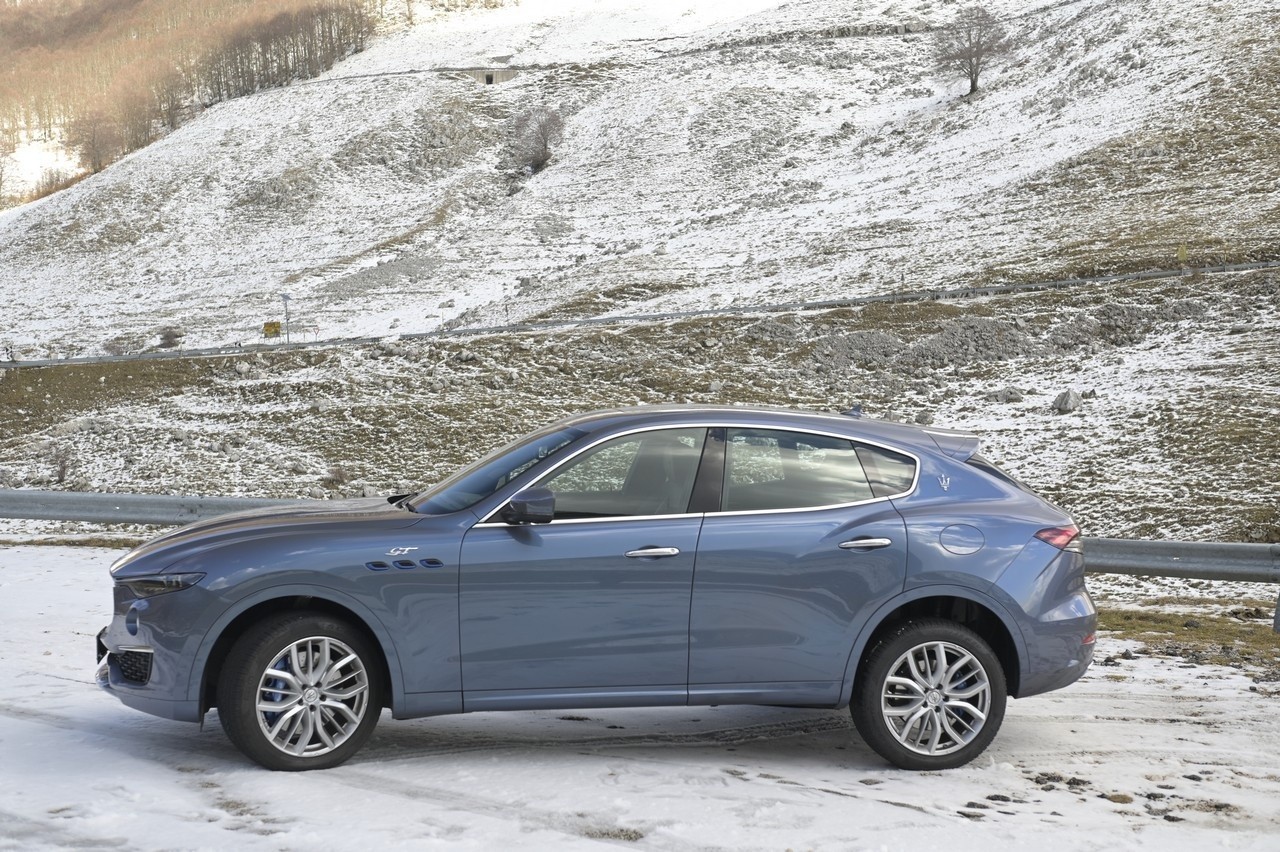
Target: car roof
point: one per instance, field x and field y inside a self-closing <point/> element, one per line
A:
<point x="957" y="444"/>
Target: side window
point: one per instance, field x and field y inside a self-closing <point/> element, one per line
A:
<point x="753" y="458"/>
<point x="648" y="473"/>
<point x="775" y="469"/>
<point x="890" y="473"/>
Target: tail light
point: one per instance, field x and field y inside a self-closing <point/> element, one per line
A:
<point x="1063" y="538"/>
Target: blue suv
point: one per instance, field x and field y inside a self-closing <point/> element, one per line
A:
<point x="635" y="557"/>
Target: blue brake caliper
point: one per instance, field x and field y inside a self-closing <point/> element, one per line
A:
<point x="282" y="665"/>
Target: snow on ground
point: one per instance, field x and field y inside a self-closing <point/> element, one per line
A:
<point x="1148" y="753"/>
<point x="32" y="159"/>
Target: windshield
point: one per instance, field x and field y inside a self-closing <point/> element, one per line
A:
<point x="478" y="480"/>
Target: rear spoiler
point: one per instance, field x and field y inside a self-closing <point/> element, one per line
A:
<point x="958" y="445"/>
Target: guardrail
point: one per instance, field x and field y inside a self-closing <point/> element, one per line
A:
<point x="1196" y="560"/>
<point x="1244" y="563"/>
<point x="159" y="509"/>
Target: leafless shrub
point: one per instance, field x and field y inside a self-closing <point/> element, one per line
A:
<point x="337" y="477"/>
<point x="6" y="149"/>
<point x="533" y="136"/>
<point x="61" y="459"/>
<point x="171" y="336"/>
<point x="53" y="180"/>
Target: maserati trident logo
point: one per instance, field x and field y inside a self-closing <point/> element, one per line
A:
<point x="945" y="482"/>
<point x="400" y="551"/>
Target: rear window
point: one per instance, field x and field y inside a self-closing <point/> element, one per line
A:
<point x="889" y="473"/>
<point x="769" y="470"/>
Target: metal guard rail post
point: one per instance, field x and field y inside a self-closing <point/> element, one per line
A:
<point x="1244" y="563"/>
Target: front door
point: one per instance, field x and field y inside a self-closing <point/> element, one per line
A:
<point x="595" y="603"/>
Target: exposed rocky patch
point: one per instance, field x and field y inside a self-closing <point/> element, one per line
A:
<point x="1165" y="404"/>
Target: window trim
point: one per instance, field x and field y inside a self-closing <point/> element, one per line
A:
<point x="487" y="520"/>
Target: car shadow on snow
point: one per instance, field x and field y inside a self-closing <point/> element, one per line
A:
<point x="824" y="734"/>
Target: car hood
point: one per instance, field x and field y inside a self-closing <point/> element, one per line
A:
<point x="162" y="552"/>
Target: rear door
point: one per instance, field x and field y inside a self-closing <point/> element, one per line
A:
<point x="803" y="549"/>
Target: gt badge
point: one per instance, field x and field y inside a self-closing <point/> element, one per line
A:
<point x="400" y="551"/>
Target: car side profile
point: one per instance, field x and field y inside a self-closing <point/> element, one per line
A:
<point x="650" y="556"/>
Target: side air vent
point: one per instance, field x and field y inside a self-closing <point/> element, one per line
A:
<point x="135" y="666"/>
<point x="404" y="564"/>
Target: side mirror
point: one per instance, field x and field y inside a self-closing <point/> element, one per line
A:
<point x="531" y="506"/>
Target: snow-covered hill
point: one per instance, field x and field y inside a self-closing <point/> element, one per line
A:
<point x="715" y="153"/>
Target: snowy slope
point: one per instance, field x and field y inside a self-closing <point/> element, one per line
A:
<point x="715" y="153"/>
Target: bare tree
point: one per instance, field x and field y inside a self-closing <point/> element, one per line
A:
<point x="132" y="109"/>
<point x="170" y="93"/>
<point x="6" y="150"/>
<point x="95" y="136"/>
<point x="535" y="133"/>
<point x="970" y="43"/>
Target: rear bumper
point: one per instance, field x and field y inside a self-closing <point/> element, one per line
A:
<point x="1047" y="681"/>
<point x="1058" y="619"/>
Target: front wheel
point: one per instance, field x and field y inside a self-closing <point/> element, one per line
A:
<point x="300" y="691"/>
<point x="930" y="695"/>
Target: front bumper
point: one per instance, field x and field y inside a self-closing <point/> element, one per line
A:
<point x="126" y="672"/>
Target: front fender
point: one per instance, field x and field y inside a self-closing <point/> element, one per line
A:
<point x="891" y="606"/>
<point x="261" y="596"/>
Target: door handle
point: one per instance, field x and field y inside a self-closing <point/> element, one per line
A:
<point x="652" y="552"/>
<point x="865" y="543"/>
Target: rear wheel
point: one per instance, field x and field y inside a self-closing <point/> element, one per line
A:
<point x="300" y="691"/>
<point x="930" y="695"/>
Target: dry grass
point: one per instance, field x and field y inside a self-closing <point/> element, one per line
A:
<point x="1216" y="639"/>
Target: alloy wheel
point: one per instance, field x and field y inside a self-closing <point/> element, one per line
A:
<point x="312" y="697"/>
<point x="936" y="698"/>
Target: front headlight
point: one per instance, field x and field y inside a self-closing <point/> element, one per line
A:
<point x="159" y="584"/>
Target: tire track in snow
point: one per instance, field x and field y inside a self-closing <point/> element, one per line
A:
<point x="20" y="832"/>
<point x="145" y="741"/>
<point x="582" y="825"/>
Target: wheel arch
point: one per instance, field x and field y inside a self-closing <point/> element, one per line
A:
<point x="232" y="624"/>
<point x="961" y="605"/>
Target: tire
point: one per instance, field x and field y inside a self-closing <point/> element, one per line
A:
<point x="324" y="674"/>
<point x="919" y="713"/>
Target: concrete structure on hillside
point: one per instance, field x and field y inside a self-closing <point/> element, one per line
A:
<point x="489" y="76"/>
